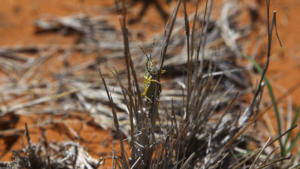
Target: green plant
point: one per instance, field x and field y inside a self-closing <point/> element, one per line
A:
<point x="284" y="149"/>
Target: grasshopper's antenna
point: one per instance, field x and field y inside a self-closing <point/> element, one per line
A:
<point x="145" y="52"/>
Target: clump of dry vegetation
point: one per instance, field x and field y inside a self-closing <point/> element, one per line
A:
<point x="193" y="136"/>
<point x="196" y="120"/>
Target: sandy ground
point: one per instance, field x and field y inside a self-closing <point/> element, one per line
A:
<point x="16" y="28"/>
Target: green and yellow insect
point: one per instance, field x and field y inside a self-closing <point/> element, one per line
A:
<point x="151" y="83"/>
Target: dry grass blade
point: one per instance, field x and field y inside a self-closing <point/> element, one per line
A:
<point x="189" y="56"/>
<point x="186" y="163"/>
<point x="124" y="160"/>
<point x="194" y="27"/>
<point x="259" y="153"/>
<point x="165" y="42"/>
<point x="122" y="20"/>
<point x="202" y="32"/>
<point x="167" y="34"/>
<point x="273" y="162"/>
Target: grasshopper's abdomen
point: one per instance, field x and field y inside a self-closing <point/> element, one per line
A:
<point x="154" y="89"/>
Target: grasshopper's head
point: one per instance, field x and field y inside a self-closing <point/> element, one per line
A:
<point x="149" y="65"/>
<point x="151" y="68"/>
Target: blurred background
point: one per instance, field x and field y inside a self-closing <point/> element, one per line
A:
<point x="43" y="42"/>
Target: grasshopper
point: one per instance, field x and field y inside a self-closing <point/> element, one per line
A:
<point x="151" y="83"/>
